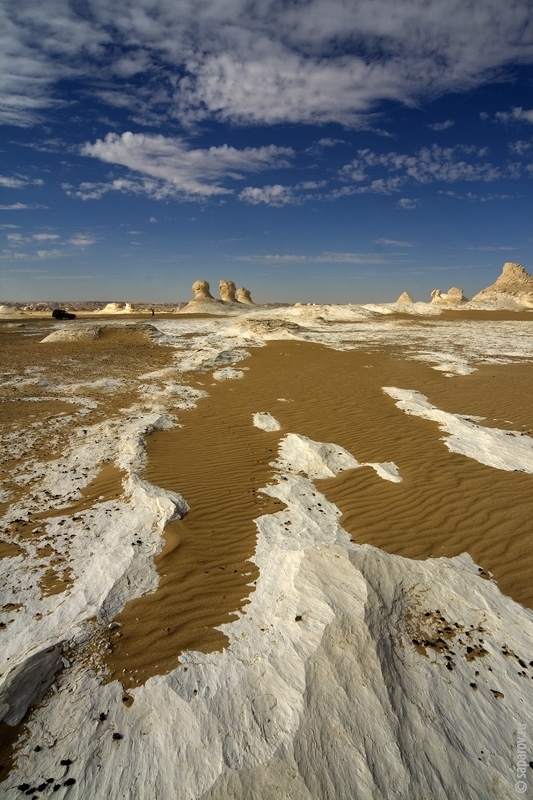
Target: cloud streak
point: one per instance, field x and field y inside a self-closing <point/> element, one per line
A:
<point x="163" y="166"/>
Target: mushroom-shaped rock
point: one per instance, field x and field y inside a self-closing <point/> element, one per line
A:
<point x="205" y="303"/>
<point x="244" y="296"/>
<point x="201" y="291"/>
<point x="405" y="297"/>
<point x="227" y="291"/>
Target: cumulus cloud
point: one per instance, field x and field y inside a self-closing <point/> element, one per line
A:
<point x="407" y="203"/>
<point x="48" y="253"/>
<point x="318" y="61"/>
<point x="169" y="167"/>
<point x="11" y="182"/>
<point x="517" y="114"/>
<point x="277" y="195"/>
<point x="427" y="165"/>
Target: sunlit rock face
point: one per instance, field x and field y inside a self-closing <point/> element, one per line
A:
<point x="244" y="296"/>
<point x="405" y="297"/>
<point x="117" y="308"/>
<point x="200" y="290"/>
<point x="227" y="291"/>
<point x="513" y="281"/>
<point x="454" y="296"/>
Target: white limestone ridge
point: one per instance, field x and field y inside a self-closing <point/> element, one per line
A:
<point x="454" y="297"/>
<point x="514" y="281"/>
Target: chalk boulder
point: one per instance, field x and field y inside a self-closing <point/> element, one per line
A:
<point x="514" y="282"/>
<point x="244" y="296"/>
<point x="454" y="296"/>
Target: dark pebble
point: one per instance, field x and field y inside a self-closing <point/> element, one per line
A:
<point x="42" y="787"/>
<point x="70" y="782"/>
<point x="23" y="787"/>
<point x="66" y="762"/>
<point x="57" y="787"/>
<point x="117" y="736"/>
<point x="38" y="748"/>
<point x="298" y="618"/>
<point x="103" y="717"/>
<point x="449" y="666"/>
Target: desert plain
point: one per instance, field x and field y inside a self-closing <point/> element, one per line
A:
<point x="280" y="552"/>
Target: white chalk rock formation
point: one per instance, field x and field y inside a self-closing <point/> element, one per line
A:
<point x="8" y="311"/>
<point x="454" y="296"/>
<point x="244" y="296"/>
<point x="227" y="291"/>
<point x="205" y="303"/>
<point x="514" y="282"/>
<point x="200" y="289"/>
<point x="405" y="297"/>
<point x="117" y="308"/>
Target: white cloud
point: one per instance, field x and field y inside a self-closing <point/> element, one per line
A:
<point x="276" y="195"/>
<point x="152" y="219"/>
<point x="441" y="126"/>
<point x="520" y="148"/>
<point x="49" y="253"/>
<point x="255" y="62"/>
<point x="429" y="164"/>
<point x="82" y="240"/>
<point x="395" y="243"/>
<point x="43" y="237"/>
<point x="407" y="203"/>
<point x="169" y="167"/>
<point x="15" y="238"/>
<point x="472" y="197"/>
<point x="328" y="257"/>
<point x="517" y="114"/>
<point x="490" y="248"/>
<point x="20" y="206"/>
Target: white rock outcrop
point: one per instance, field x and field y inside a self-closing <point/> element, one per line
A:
<point x="117" y="308"/>
<point x="514" y="282"/>
<point x="8" y="311"/>
<point x="227" y="291"/>
<point x="405" y="297"/>
<point x="454" y="296"/>
<point x="244" y="296"/>
<point x="205" y="303"/>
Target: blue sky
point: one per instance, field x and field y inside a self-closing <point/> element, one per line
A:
<point x="310" y="150"/>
